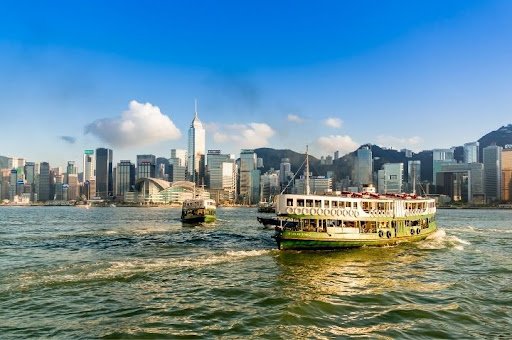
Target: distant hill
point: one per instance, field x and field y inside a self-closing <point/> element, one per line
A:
<point x="501" y="137"/>
<point x="4" y="162"/>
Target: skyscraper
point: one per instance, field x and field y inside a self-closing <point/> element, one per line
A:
<point x="196" y="149"/>
<point x="441" y="157"/>
<point x="247" y="165"/>
<point x="506" y="173"/>
<point x="471" y="152"/>
<point x="44" y="182"/>
<point x="104" y="179"/>
<point x="364" y="166"/>
<point x="125" y="177"/>
<point x="146" y="166"/>
<point x="88" y="164"/>
<point x="492" y="172"/>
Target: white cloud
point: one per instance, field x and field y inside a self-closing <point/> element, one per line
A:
<point x="332" y="143"/>
<point x="141" y="124"/>
<point x="413" y="143"/>
<point x="333" y="122"/>
<point x="252" y="135"/>
<point x="295" y="119"/>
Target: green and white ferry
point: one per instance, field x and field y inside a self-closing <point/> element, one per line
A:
<point x="198" y="210"/>
<point x="351" y="220"/>
<point x="346" y="220"/>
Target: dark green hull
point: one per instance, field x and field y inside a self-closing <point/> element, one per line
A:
<point x="304" y="240"/>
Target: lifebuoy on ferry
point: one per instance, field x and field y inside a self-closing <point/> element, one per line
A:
<point x="341" y="213"/>
<point x="381" y="233"/>
<point x="313" y="211"/>
<point x="320" y="211"/>
<point x="289" y="210"/>
<point x="306" y="211"/>
<point x="327" y="211"/>
<point x="388" y="234"/>
<point x="418" y="231"/>
<point x="298" y="211"/>
<point x="356" y="213"/>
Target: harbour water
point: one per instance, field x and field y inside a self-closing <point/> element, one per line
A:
<point x="69" y="272"/>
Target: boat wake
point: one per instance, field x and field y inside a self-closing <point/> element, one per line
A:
<point x="125" y="270"/>
<point x="440" y="240"/>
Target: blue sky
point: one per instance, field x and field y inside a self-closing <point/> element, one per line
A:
<point x="330" y="74"/>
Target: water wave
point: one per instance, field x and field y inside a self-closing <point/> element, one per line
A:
<point x="125" y="270"/>
<point x="440" y="240"/>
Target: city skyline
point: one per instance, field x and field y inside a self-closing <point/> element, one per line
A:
<point x="333" y="76"/>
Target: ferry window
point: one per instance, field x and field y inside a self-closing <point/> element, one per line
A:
<point x="334" y="204"/>
<point x="327" y="204"/>
<point x="348" y="204"/>
<point x="354" y="204"/>
<point x="309" y="203"/>
<point x="342" y="204"/>
<point x="318" y="203"/>
<point x="300" y="203"/>
<point x="289" y="202"/>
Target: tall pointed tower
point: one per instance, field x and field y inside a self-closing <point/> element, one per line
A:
<point x="196" y="149"/>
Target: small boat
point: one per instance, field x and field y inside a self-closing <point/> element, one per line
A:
<point x="266" y="207"/>
<point x="198" y="210"/>
<point x="345" y="220"/>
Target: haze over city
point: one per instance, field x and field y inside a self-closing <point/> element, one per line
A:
<point x="335" y="75"/>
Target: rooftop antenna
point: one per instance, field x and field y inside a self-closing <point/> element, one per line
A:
<point x="195" y="106"/>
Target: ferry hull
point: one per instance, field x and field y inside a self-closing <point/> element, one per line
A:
<point x="302" y="240"/>
<point x="198" y="219"/>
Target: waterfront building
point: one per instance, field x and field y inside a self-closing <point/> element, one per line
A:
<point x="44" y="182"/>
<point x="221" y="175"/>
<point x="73" y="187"/>
<point x="471" y="152"/>
<point x="336" y="155"/>
<point x="196" y="149"/>
<point x="125" y="177"/>
<point x="441" y="157"/>
<point x="104" y="173"/>
<point x="462" y="182"/>
<point x="4" y="183"/>
<point x="492" y="174"/>
<point x="89" y="188"/>
<point x="392" y="178"/>
<point x="13" y="177"/>
<point x="364" y="166"/>
<point x="88" y="165"/>
<point x="506" y="173"/>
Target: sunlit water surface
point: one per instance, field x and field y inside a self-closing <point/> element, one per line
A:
<point x="70" y="272"/>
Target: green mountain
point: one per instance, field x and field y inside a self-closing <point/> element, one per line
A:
<point x="501" y="137"/>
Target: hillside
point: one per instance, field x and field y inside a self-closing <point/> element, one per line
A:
<point x="501" y="137"/>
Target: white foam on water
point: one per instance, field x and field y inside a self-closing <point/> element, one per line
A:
<point x="440" y="240"/>
<point x="113" y="270"/>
